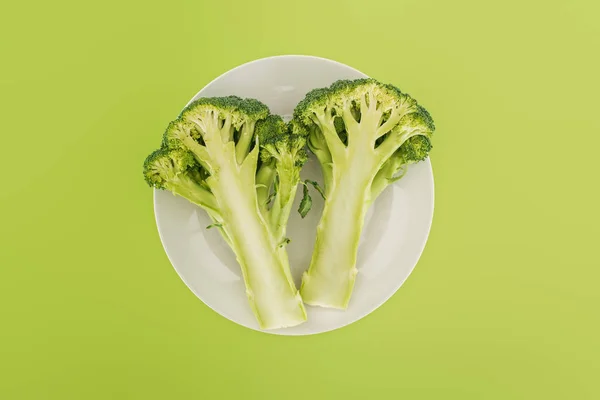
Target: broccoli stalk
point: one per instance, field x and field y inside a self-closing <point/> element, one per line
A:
<point x="364" y="135"/>
<point x="210" y="156"/>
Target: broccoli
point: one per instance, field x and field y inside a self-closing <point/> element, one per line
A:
<point x="364" y="134"/>
<point x="282" y="157"/>
<point x="239" y="163"/>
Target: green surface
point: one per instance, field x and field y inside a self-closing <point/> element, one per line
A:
<point x="504" y="303"/>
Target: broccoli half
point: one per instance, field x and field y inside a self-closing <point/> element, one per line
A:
<point x="364" y="134"/>
<point x="239" y="163"/>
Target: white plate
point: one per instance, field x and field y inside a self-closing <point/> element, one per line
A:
<point x="396" y="227"/>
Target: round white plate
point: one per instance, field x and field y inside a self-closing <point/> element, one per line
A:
<point x="394" y="236"/>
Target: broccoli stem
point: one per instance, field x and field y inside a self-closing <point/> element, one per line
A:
<point x="330" y="278"/>
<point x="244" y="141"/>
<point x="195" y="193"/>
<point x="289" y="177"/>
<point x="264" y="181"/>
<point x="391" y="171"/>
<point x="269" y="285"/>
<point x="326" y="166"/>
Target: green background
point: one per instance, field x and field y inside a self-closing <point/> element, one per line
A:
<point x="504" y="303"/>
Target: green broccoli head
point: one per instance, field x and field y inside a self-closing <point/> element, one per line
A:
<point x="271" y="130"/>
<point x="350" y="95"/>
<point x="296" y="142"/>
<point x="178" y="171"/>
<point x="377" y="118"/>
<point x="282" y="155"/>
<point x="414" y="130"/>
<point x="223" y="107"/>
<point x="314" y="102"/>
<point x="279" y="140"/>
<point x="363" y="112"/>
<point x="357" y="98"/>
<point x="179" y="132"/>
<point x="212" y="122"/>
<point x="165" y="166"/>
<point x="254" y="109"/>
<point x="417" y="120"/>
<point x="230" y="112"/>
<point x="415" y="149"/>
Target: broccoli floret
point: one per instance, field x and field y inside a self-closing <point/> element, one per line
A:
<point x="364" y="134"/>
<point x="282" y="155"/>
<point x="177" y="171"/>
<point x="229" y="155"/>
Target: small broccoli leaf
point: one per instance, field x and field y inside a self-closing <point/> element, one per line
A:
<point x="270" y="198"/>
<point x="284" y="242"/>
<point x="306" y="202"/>
<point x="214" y="225"/>
<point x="316" y="185"/>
